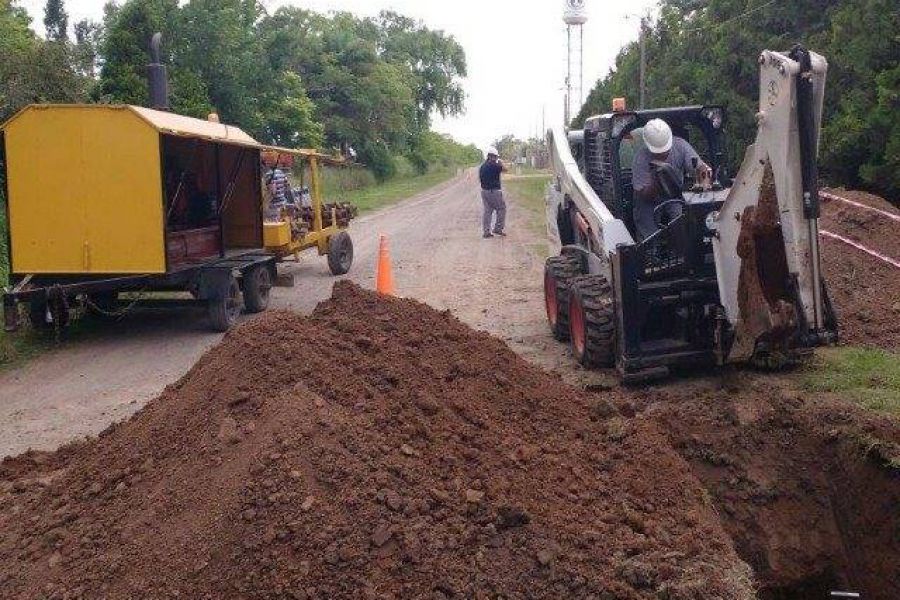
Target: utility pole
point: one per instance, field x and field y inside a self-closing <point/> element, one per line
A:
<point x="568" y="72"/>
<point x="643" y="84"/>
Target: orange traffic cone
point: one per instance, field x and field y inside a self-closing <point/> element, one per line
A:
<point x="384" y="278"/>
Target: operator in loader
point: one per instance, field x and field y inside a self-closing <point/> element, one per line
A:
<point x="660" y="147"/>
<point x="492" y="194"/>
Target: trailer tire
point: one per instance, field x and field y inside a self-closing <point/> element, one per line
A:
<point x="225" y="307"/>
<point x="340" y="253"/>
<point x="559" y="271"/>
<point x="37" y="314"/>
<point x="592" y="322"/>
<point x="257" y="285"/>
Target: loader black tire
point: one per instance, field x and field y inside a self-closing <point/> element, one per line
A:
<point x="592" y="322"/>
<point x="340" y="253"/>
<point x="257" y="285"/>
<point x="559" y="271"/>
<point x="225" y="307"/>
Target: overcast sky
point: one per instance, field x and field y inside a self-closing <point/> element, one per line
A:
<point x="516" y="50"/>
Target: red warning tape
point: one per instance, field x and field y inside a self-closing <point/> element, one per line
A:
<point x="830" y="196"/>
<point x="859" y="246"/>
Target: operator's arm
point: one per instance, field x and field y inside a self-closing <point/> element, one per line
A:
<point x="702" y="172"/>
<point x="642" y="180"/>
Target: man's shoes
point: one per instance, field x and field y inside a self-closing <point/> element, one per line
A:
<point x="488" y="235"/>
<point x="500" y="233"/>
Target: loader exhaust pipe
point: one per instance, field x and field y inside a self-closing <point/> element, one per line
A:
<point x="157" y="77"/>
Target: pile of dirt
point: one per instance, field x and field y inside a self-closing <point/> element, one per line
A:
<point x="864" y="290"/>
<point x="807" y="488"/>
<point x="378" y="449"/>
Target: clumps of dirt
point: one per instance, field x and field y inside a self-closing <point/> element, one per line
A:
<point x="864" y="290"/>
<point x="765" y="304"/>
<point x="808" y="489"/>
<point x="379" y="449"/>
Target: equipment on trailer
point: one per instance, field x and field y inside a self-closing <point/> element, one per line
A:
<point x="106" y="200"/>
<point x="735" y="277"/>
<point x="306" y="221"/>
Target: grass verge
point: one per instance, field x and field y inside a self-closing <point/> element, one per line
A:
<point x="530" y="194"/>
<point x="378" y="196"/>
<point x="870" y="378"/>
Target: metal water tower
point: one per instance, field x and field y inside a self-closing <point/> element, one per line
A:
<point x="574" y="16"/>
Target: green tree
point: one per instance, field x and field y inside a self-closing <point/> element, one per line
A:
<point x="125" y="47"/>
<point x="705" y="52"/>
<point x="289" y="115"/>
<point x="56" y="21"/>
<point x="87" y="47"/>
<point x="435" y="61"/>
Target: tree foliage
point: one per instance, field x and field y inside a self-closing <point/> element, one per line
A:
<point x="32" y="70"/>
<point x="293" y="78"/>
<point x="705" y="51"/>
<point x="56" y="21"/>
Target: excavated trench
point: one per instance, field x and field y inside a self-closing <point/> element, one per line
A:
<point x="807" y="489"/>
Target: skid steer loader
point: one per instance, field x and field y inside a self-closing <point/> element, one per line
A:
<point x="735" y="278"/>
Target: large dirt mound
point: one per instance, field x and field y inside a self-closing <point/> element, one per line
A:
<point x="807" y="488"/>
<point x="378" y="449"/>
<point x="865" y="291"/>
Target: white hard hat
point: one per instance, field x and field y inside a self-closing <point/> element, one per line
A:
<point x="658" y="136"/>
<point x="492" y="151"/>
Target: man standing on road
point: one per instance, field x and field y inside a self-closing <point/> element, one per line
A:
<point x="492" y="194"/>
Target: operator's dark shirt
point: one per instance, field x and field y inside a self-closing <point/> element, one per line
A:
<point x="489" y="173"/>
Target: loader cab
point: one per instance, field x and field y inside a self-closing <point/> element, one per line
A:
<point x="665" y="285"/>
<point x="610" y="141"/>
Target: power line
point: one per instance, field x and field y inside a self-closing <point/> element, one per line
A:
<point x="731" y="20"/>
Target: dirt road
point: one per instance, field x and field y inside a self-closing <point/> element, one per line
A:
<point x="438" y="255"/>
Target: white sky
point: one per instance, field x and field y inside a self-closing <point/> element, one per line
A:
<point x="516" y="51"/>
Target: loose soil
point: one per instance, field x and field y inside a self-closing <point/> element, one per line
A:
<point x="865" y="291"/>
<point x="378" y="449"/>
<point x="382" y="449"/>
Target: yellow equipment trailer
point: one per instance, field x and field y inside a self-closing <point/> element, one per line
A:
<point x="107" y="199"/>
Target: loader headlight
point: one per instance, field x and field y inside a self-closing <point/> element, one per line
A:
<point x="620" y="123"/>
<point x="715" y="116"/>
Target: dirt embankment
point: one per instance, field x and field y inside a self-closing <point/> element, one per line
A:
<point x="378" y="449"/>
<point x="807" y="488"/>
<point x="864" y="290"/>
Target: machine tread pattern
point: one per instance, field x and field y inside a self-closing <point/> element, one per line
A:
<point x="595" y="294"/>
<point x="563" y="269"/>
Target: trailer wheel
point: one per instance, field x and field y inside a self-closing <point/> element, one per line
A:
<point x="592" y="325"/>
<point x="37" y="314"/>
<point x="257" y="284"/>
<point x="340" y="253"/>
<point x="558" y="274"/>
<point x="225" y="307"/>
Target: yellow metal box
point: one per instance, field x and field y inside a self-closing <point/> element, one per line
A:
<point x="276" y="235"/>
<point x="86" y="191"/>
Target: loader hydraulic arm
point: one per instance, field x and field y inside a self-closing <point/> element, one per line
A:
<point x="766" y="240"/>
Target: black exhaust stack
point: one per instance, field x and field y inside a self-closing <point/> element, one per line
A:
<point x="157" y="76"/>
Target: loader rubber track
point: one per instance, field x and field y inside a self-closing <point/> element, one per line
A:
<point x="559" y="271"/>
<point x="592" y="321"/>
